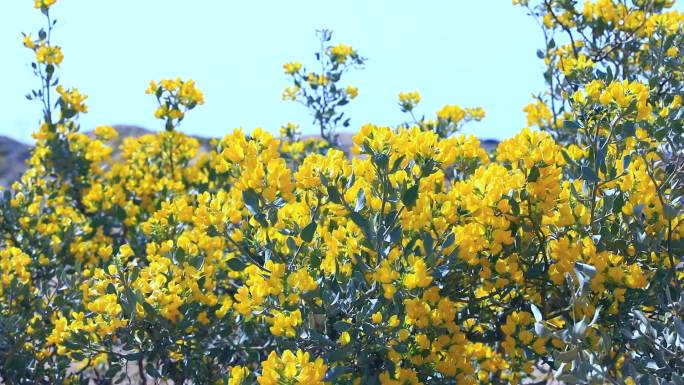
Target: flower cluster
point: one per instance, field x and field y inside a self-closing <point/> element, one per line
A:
<point x="416" y="258"/>
<point x="320" y="91"/>
<point x="175" y="98"/>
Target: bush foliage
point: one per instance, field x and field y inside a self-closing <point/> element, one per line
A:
<point x="419" y="259"/>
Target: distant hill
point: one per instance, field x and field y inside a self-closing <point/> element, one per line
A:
<point x="13" y="154"/>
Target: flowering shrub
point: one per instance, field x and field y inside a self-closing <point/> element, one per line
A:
<point x="419" y="259"/>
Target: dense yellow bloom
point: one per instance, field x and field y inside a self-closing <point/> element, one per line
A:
<point x="106" y="133"/>
<point x="538" y="114"/>
<point x="419" y="276"/>
<point x="14" y="265"/>
<point x="49" y="54"/>
<point x="451" y="112"/>
<point x="352" y="91"/>
<point x="284" y="324"/>
<point x="292" y="368"/>
<point x="340" y="53"/>
<point x="28" y="42"/>
<point x="292" y="67"/>
<point x="238" y="375"/>
<point x="73" y="99"/>
<point x="38" y="4"/>
<point x="408" y="100"/>
<point x="414" y="241"/>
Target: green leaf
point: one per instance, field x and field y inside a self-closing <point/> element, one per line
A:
<point x="596" y="315"/>
<point x="395" y="234"/>
<point x="351" y="180"/>
<point x="540" y="329"/>
<point x="580" y="328"/>
<point x="134" y="356"/>
<point x="571" y="125"/>
<point x="360" y="200"/>
<point x="236" y="264"/>
<point x="428" y="242"/>
<point x="212" y="231"/>
<point x="679" y="325"/>
<point x="251" y="200"/>
<point x="338" y="354"/>
<point x="410" y="196"/>
<point x="638" y="210"/>
<point x="308" y="232"/>
<point x="618" y="203"/>
<point x="536" y="312"/>
<point x="341" y="326"/>
<point x="566" y="356"/>
<point x="334" y="195"/>
<point x="397" y="164"/>
<point x="569" y="379"/>
<point x="291" y="244"/>
<point x="449" y="240"/>
<point x="114" y="368"/>
<point x="334" y="373"/>
<point x="584" y="268"/>
<point x="361" y="222"/>
<point x="381" y="160"/>
<point x="670" y="212"/>
<point x="152" y="371"/>
<point x="567" y="158"/>
<point x="589" y="175"/>
<point x="533" y="176"/>
<point x="111" y="289"/>
<point x="149" y="309"/>
<point x="628" y="129"/>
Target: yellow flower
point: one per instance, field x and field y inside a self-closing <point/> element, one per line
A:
<point x="293" y="368"/>
<point x="419" y="277"/>
<point x="344" y="339"/>
<point x="111" y="269"/>
<point x="292" y="67"/>
<point x="72" y="99"/>
<point x="352" y="92"/>
<point x="453" y="113"/>
<point x="106" y="133"/>
<point x="152" y="88"/>
<point x="408" y="100"/>
<point x="43" y="4"/>
<point x="28" y="42"/>
<point x="238" y="374"/>
<point x="340" y="53"/>
<point x="51" y="55"/>
<point x="538" y="114"/>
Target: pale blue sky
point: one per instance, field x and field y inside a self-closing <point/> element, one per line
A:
<point x="471" y="53"/>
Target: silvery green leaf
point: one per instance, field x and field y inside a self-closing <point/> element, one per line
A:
<point x="670" y="212"/>
<point x="566" y="356"/>
<point x="596" y="316"/>
<point x="360" y="200"/>
<point x="569" y="379"/>
<point x="536" y="312"/>
<point x="540" y="329"/>
<point x="559" y="371"/>
<point x="580" y="328"/>
<point x="589" y="270"/>
<point x="679" y="325"/>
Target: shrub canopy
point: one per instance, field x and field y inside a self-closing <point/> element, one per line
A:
<point x="418" y="259"/>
